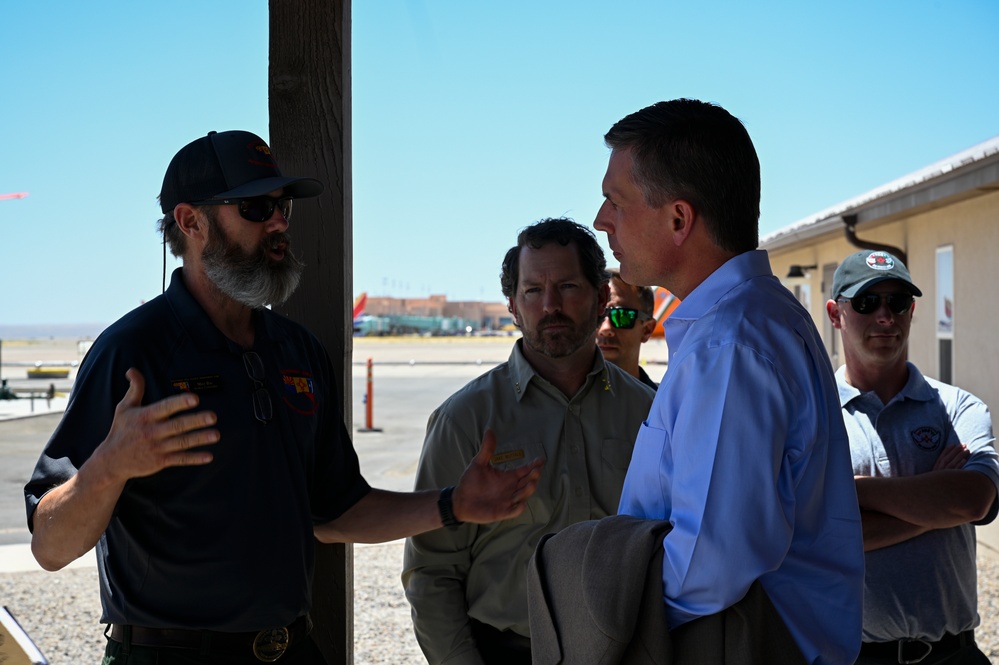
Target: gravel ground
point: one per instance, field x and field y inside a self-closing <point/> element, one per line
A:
<point x="61" y="610"/>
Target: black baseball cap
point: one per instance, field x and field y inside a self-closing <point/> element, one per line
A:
<point x="862" y="270"/>
<point x="227" y="165"/>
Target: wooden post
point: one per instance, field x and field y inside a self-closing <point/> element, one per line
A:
<point x="309" y="103"/>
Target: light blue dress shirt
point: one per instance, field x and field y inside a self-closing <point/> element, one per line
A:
<point x="746" y="454"/>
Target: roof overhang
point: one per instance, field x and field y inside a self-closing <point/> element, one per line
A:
<point x="967" y="174"/>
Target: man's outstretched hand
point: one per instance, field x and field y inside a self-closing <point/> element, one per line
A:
<point x="486" y="494"/>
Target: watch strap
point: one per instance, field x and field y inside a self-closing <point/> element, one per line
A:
<point x="445" y="507"/>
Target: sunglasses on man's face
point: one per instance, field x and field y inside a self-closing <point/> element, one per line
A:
<point x="254" y="208"/>
<point x="623" y="317"/>
<point x="868" y="303"/>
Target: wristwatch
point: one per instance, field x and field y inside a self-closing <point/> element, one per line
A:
<point x="446" y="509"/>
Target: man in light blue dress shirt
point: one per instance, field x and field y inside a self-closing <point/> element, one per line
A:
<point x="744" y="450"/>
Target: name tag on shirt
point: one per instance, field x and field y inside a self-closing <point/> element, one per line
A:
<point x="509" y="456"/>
<point x="199" y="384"/>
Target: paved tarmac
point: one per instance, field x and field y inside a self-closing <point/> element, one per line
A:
<point x="412" y="377"/>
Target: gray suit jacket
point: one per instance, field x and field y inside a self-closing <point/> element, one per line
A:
<point x="595" y="598"/>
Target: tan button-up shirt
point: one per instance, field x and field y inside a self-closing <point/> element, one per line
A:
<point x="480" y="571"/>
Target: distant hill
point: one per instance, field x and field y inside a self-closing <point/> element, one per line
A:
<point x="51" y="330"/>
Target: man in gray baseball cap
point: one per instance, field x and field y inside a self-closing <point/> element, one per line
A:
<point x="864" y="269"/>
<point x="926" y="472"/>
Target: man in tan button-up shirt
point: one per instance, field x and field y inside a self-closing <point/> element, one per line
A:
<point x="555" y="398"/>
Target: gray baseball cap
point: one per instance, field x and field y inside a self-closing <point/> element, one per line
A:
<point x="862" y="270"/>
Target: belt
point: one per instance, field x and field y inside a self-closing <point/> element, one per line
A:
<point x="914" y="650"/>
<point x="267" y="645"/>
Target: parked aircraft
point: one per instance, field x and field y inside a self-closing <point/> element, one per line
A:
<point x="359" y="303"/>
<point x="666" y="302"/>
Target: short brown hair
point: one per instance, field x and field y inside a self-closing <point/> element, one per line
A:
<point x="564" y="231"/>
<point x="689" y="149"/>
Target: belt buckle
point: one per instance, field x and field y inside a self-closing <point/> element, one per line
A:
<point x="270" y="644"/>
<point x="905" y="660"/>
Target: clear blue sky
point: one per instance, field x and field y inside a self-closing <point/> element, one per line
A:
<point x="470" y="120"/>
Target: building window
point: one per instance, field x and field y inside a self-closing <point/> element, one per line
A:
<point x="945" y="313"/>
<point x="803" y="294"/>
<point x="829" y="334"/>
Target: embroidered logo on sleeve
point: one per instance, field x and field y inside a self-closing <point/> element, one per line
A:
<point x="299" y="391"/>
<point x="210" y="383"/>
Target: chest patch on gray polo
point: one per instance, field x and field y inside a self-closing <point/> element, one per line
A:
<point x="927" y="438"/>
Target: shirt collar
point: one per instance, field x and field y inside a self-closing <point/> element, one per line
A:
<point x="915" y="388"/>
<point x="846" y="391"/>
<point x="732" y="273"/>
<point x="522" y="372"/>
<point x="191" y="317"/>
<point x="202" y="332"/>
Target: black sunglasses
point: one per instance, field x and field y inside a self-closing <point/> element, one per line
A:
<point x="624" y="317"/>
<point x="868" y="303"/>
<point x="254" y="208"/>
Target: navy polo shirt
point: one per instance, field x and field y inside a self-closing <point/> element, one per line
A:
<point x="229" y="545"/>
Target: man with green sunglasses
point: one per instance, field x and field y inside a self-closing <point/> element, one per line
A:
<point x="926" y="473"/>
<point x="626" y="325"/>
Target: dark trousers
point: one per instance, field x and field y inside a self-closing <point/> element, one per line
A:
<point x="952" y="650"/>
<point x="501" y="647"/>
<point x="119" y="653"/>
<point x="964" y="656"/>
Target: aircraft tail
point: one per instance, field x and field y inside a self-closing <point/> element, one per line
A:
<point x="666" y="302"/>
<point x="359" y="304"/>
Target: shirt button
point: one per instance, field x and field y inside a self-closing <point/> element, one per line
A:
<point x="579" y="491"/>
<point x="574" y="449"/>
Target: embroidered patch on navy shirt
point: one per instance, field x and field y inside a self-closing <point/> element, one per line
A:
<point x="299" y="391"/>
<point x="209" y="383"/>
<point x="927" y="438"/>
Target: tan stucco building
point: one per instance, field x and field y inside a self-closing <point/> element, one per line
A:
<point x="945" y="219"/>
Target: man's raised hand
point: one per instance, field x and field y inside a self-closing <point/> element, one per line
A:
<point x="146" y="439"/>
<point x="486" y="494"/>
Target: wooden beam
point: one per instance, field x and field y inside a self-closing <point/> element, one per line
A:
<point x="309" y="103"/>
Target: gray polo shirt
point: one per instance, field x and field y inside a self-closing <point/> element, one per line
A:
<point x="926" y="586"/>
